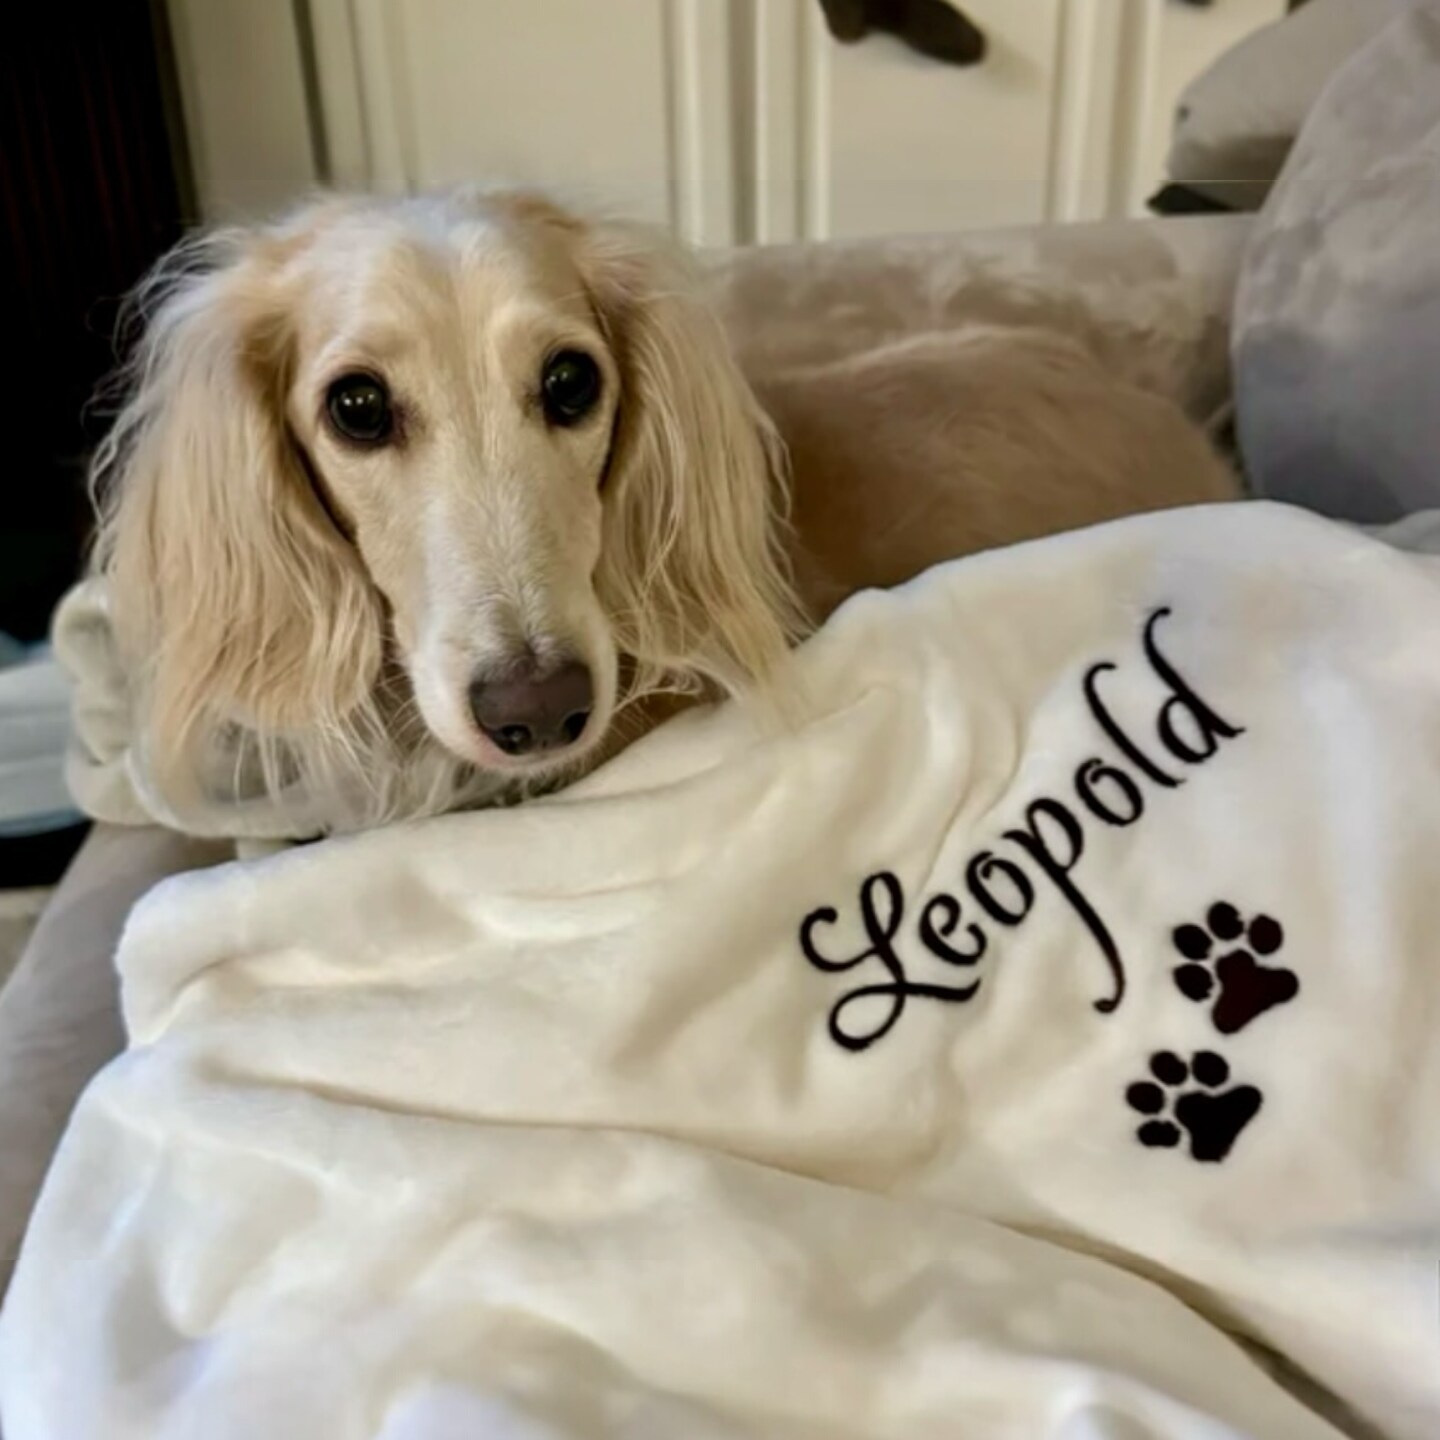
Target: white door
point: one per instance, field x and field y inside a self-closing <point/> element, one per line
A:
<point x="625" y="103"/>
<point x="871" y="138"/>
<point x="729" y="120"/>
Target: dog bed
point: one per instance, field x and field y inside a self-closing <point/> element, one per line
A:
<point x="783" y="306"/>
<point x="1037" y="1038"/>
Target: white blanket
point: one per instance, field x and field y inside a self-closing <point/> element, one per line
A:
<point x="1041" y="1040"/>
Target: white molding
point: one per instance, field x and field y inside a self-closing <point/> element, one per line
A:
<point x="699" y="97"/>
<point x="378" y="28"/>
<point x="1084" y="115"/>
<point x="242" y="88"/>
<point x="337" y="76"/>
<point x="1137" y="73"/>
<point x="775" y="34"/>
<point x="813" y="72"/>
<point x="791" y="100"/>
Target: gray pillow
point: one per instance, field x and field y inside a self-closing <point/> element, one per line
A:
<point x="1337" y="323"/>
<point x="1239" y="117"/>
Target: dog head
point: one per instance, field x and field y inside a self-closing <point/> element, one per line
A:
<point x="467" y="467"/>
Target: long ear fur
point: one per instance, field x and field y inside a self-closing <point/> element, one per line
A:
<point x="693" y="569"/>
<point x="234" y="598"/>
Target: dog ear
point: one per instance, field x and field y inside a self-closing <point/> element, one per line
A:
<point x="230" y="588"/>
<point x="693" y="567"/>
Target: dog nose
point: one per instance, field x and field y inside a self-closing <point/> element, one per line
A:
<point x="530" y="710"/>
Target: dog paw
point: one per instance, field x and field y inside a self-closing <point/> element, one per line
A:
<point x="1210" y="1115"/>
<point x="1219" y="962"/>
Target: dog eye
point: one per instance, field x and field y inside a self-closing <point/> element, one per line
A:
<point x="569" y="386"/>
<point x="359" y="409"/>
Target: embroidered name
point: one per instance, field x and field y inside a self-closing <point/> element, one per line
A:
<point x="1002" y="882"/>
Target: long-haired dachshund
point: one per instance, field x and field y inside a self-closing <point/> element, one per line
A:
<point x="418" y="504"/>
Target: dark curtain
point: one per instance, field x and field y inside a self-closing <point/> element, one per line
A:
<point x="93" y="188"/>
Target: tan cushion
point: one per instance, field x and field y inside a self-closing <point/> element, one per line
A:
<point x="1164" y="289"/>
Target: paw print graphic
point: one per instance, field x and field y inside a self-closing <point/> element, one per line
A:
<point x="1210" y="1115"/>
<point x="1220" y="964"/>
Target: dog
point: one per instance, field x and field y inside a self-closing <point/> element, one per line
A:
<point x="418" y="504"/>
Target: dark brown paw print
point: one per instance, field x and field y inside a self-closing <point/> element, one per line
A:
<point x="1209" y="1115"/>
<point x="1220" y="963"/>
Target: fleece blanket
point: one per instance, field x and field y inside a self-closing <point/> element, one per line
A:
<point x="1038" y="1038"/>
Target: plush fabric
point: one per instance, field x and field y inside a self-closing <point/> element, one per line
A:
<point x="1337" y="320"/>
<point x="1238" y="118"/>
<point x="1053" y="1002"/>
<point x="1168" y="284"/>
<point x="98" y="761"/>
